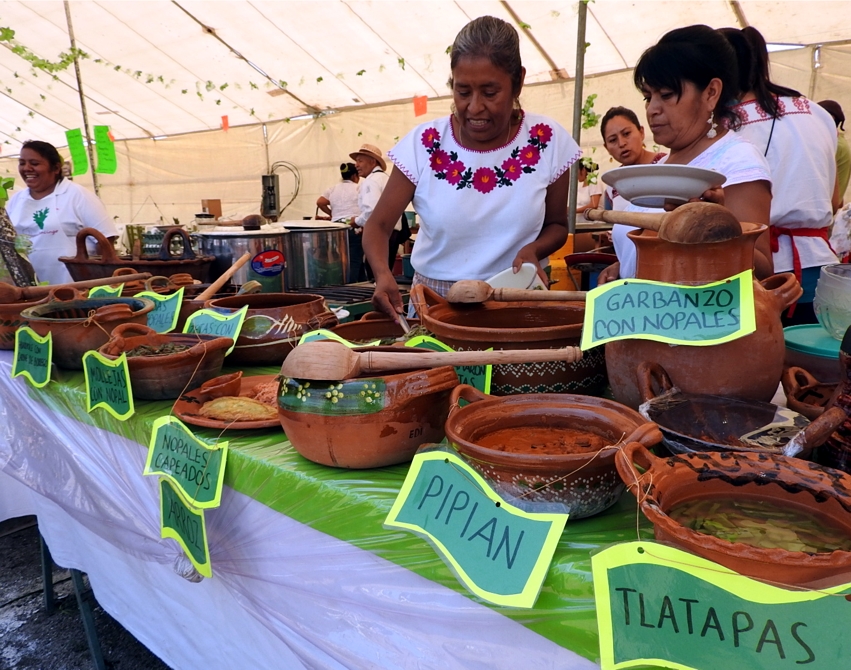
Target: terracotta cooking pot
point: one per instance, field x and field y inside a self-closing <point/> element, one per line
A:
<point x="368" y="421"/>
<point x="663" y="483"/>
<point x="167" y="376"/>
<point x="516" y="325"/>
<point x="372" y="326"/>
<point x="584" y="480"/>
<point x="274" y="323"/>
<point x="11" y="320"/>
<point x="81" y="325"/>
<point x="747" y="368"/>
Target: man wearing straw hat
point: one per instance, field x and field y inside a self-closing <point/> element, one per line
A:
<point x="371" y="169"/>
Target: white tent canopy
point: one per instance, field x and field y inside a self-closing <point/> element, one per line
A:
<point x="309" y="81"/>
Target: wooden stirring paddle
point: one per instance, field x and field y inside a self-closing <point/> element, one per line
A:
<point x="692" y="223"/>
<point x="213" y="288"/>
<point x="474" y="291"/>
<point x="9" y="293"/>
<point x="333" y="361"/>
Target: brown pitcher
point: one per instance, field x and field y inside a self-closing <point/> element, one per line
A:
<point x="749" y="367"/>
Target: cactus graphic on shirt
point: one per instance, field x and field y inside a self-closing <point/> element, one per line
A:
<point x="40" y="216"/>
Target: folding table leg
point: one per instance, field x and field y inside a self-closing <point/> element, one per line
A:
<point x="85" y="597"/>
<point x="47" y="576"/>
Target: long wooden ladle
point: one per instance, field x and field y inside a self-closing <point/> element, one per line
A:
<point x="9" y="293"/>
<point x="474" y="291"/>
<point x="692" y="223"/>
<point x="333" y="361"/>
<point x="213" y="288"/>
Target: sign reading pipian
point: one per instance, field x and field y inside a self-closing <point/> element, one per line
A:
<point x="499" y="552"/>
<point x="691" y="315"/>
<point x="663" y="607"/>
<point x="198" y="469"/>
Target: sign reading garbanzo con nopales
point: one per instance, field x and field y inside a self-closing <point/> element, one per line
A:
<point x="198" y="469"/>
<point x="662" y="607"/>
<point x="690" y="315"/>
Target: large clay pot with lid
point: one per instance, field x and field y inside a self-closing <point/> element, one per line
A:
<point x="749" y="367"/>
<point x="517" y="325"/>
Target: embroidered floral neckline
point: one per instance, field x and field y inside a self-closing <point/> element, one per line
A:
<point x="447" y="166"/>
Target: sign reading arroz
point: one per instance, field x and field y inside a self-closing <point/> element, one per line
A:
<point x="689" y="315"/>
<point x="499" y="552"/>
<point x="663" y="607"/>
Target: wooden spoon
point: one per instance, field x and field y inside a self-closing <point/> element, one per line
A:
<point x="213" y="288"/>
<point x="692" y="223"/>
<point x="9" y="293"/>
<point x="474" y="291"/>
<point x="333" y="361"/>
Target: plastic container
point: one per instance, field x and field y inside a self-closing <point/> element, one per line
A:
<point x="811" y="347"/>
<point x="832" y="302"/>
<point x="407" y="268"/>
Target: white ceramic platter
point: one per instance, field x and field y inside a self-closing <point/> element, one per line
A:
<point x="653" y="185"/>
<point x="526" y="277"/>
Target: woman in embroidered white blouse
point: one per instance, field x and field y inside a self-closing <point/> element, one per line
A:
<point x="489" y="182"/>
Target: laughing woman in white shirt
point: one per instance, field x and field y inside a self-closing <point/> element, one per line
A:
<point x="51" y="209"/>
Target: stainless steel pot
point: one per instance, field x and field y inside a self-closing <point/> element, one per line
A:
<point x="268" y="256"/>
<point x="317" y="253"/>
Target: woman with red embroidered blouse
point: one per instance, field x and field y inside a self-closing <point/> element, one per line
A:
<point x="489" y="183"/>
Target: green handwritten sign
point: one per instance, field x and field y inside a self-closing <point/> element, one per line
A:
<point x="210" y="322"/>
<point x="108" y="385"/>
<point x="163" y="318"/>
<point x="323" y="334"/>
<point x="477" y="376"/>
<point x="500" y="553"/>
<point x="182" y="522"/>
<point x="106" y="291"/>
<point x="659" y="606"/>
<point x="33" y="356"/>
<point x="105" y="151"/>
<point x="197" y="468"/>
<point x="79" y="158"/>
<point x="691" y="315"/>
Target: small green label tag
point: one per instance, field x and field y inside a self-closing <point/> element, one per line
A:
<point x="163" y="318"/>
<point x="323" y="334"/>
<point x="181" y="522"/>
<point x="689" y="315"/>
<point x="663" y="607"/>
<point x="106" y="291"/>
<point x="108" y="385"/>
<point x="210" y="322"/>
<point x="197" y="468"/>
<point x="499" y="552"/>
<point x="105" y="151"/>
<point x="477" y="376"/>
<point x="33" y="356"/>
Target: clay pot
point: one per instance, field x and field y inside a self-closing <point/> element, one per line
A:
<point x="747" y="368"/>
<point x="664" y="483"/>
<point x="805" y="394"/>
<point x="369" y="421"/>
<point x="80" y="325"/>
<point x="219" y="387"/>
<point x="11" y="320"/>
<point x="168" y="376"/>
<point x="516" y="325"/>
<point x="372" y="326"/>
<point x="82" y="267"/>
<point x="294" y="315"/>
<point x="586" y="482"/>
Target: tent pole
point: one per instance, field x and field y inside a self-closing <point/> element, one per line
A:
<point x="82" y="97"/>
<point x="578" y="77"/>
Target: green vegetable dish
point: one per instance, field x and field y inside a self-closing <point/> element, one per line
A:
<point x="761" y="523"/>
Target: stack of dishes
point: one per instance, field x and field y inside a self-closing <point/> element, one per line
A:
<point x="832" y="303"/>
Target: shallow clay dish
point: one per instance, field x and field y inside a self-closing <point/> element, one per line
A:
<point x="226" y="385"/>
<point x="186" y="408"/>
<point x="664" y="483"/>
<point x="585" y="481"/>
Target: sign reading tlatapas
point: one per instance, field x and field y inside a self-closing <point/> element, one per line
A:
<point x="659" y="606"/>
<point x="689" y="315"/>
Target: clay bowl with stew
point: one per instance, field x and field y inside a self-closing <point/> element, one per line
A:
<point x="547" y="447"/>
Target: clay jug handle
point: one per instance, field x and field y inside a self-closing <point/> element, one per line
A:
<point x="646" y="374"/>
<point x="626" y="459"/>
<point x="106" y="250"/>
<point x="165" y="249"/>
<point x="465" y="392"/>
<point x="423" y="298"/>
<point x="647" y="434"/>
<point x="65" y="293"/>
<point x="121" y="272"/>
<point x="113" y="312"/>
<point x="131" y="329"/>
<point x="785" y="289"/>
<point x="210" y="346"/>
<point x="794" y="379"/>
<point x="373" y="316"/>
<point x="822" y="428"/>
<point x="321" y="320"/>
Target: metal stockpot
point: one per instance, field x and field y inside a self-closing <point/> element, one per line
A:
<point x="268" y="256"/>
<point x="317" y="253"/>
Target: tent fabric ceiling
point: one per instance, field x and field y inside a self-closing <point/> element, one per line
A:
<point x="159" y="68"/>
